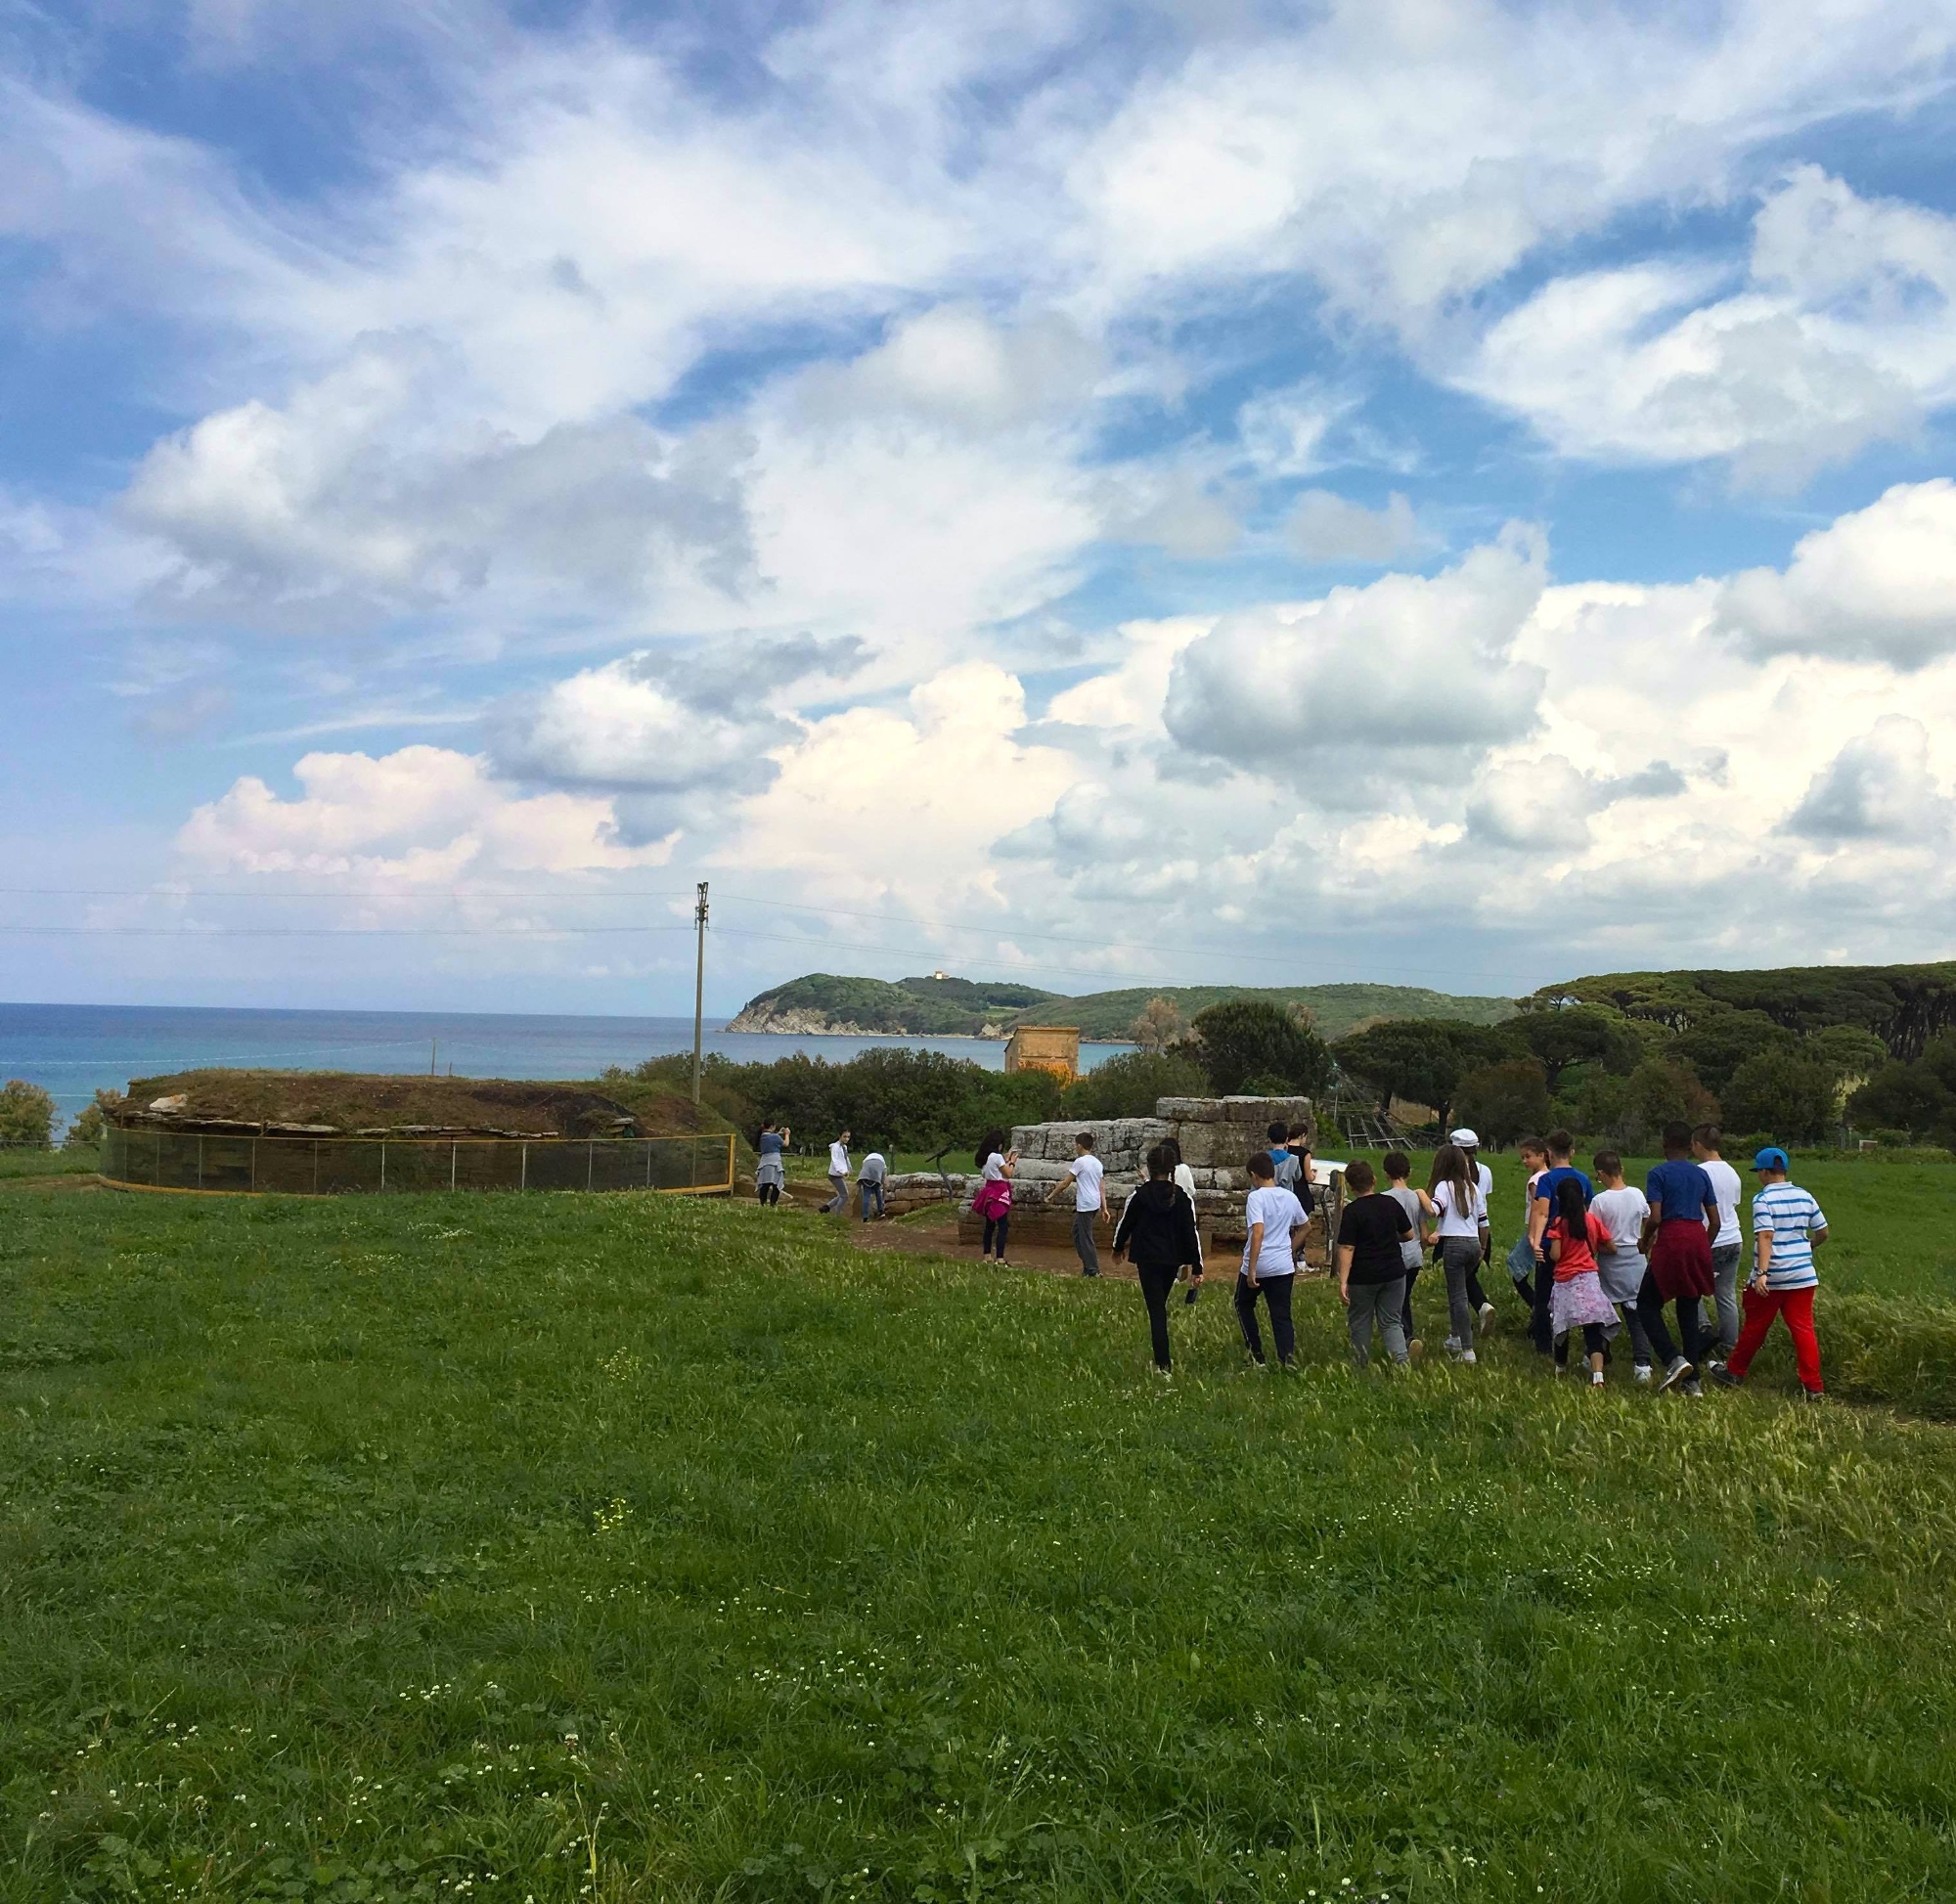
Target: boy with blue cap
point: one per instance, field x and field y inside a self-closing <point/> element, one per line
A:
<point x="1787" y="1223"/>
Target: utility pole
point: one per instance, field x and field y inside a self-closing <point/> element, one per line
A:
<point x="698" y="985"/>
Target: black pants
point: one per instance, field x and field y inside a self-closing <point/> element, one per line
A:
<point x="1156" y="1285"/>
<point x="769" y="1192"/>
<point x="1406" y="1314"/>
<point x="1275" y="1292"/>
<point x="1540" y="1329"/>
<point x="1690" y="1324"/>
<point x="995" y="1226"/>
<point x="1593" y="1340"/>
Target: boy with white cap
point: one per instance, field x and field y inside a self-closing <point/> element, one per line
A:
<point x="1471" y="1144"/>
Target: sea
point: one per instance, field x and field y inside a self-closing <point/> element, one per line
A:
<point x="72" y="1051"/>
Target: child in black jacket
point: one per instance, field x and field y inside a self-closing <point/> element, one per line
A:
<point x="1157" y="1230"/>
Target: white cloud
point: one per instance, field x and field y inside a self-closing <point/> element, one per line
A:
<point x="1328" y="528"/>
<point x="1841" y="336"/>
<point x="1876" y="585"/>
<point x="1407" y="680"/>
<point x="423" y="814"/>
<point x="1877" y="788"/>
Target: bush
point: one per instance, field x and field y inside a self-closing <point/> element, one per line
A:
<point x="899" y="1097"/>
<point x="1418" y="1059"/>
<point x="1504" y="1101"/>
<point x="1128" y="1086"/>
<point x="84" y="1131"/>
<point x="1661" y="1091"/>
<point x="1907" y="1097"/>
<point x="1783" y="1093"/>
<point x="26" y="1115"/>
<point x="1250" y="1038"/>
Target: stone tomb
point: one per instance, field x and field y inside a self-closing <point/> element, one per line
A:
<point x="1216" y="1136"/>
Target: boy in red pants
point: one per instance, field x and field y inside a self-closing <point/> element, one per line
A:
<point x="1787" y="1223"/>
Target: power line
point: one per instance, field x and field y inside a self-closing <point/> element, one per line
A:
<point x="991" y="929"/>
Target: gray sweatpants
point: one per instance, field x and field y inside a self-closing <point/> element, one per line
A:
<point x="1084" y="1244"/>
<point x="1379" y="1302"/>
<point x="1725" y="1283"/>
<point x="1459" y="1256"/>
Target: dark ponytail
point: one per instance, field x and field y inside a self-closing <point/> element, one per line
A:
<point x="994" y="1140"/>
<point x="1574" y="1212"/>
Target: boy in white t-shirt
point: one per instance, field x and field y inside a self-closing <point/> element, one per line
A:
<point x="1620" y="1269"/>
<point x="1729" y="1245"/>
<point x="1088" y="1174"/>
<point x="1275" y="1219"/>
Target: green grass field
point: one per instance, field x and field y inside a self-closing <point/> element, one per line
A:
<point x="564" y="1548"/>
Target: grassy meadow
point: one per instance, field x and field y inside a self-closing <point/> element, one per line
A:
<point x="618" y="1548"/>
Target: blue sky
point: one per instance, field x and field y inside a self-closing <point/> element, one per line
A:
<point x="1449" y="493"/>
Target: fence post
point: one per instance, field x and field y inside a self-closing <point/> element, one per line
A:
<point x="589" y="1160"/>
<point x="384" y="1163"/>
<point x="450" y="1166"/>
<point x="524" y="1182"/>
<point x="200" y="1161"/>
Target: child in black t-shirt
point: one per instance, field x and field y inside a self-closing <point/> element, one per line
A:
<point x="1371" y="1272"/>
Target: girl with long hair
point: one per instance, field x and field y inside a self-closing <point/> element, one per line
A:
<point x="1578" y="1301"/>
<point x="1460" y="1215"/>
<point x="994" y="1201"/>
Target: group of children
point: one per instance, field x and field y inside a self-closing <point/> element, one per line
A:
<point x="1596" y="1258"/>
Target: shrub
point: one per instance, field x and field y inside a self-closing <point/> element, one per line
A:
<point x="1780" y="1092"/>
<point x="1158" y="1026"/>
<point x="26" y="1115"/>
<point x="1907" y="1097"/>
<point x="1250" y="1038"/>
<point x="1504" y="1101"/>
<point x="1661" y="1091"/>
<point x="84" y="1131"/>
<point x="1128" y="1086"/>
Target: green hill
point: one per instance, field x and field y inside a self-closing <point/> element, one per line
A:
<point x="950" y="1008"/>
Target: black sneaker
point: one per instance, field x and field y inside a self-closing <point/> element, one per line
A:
<point x="1723" y="1378"/>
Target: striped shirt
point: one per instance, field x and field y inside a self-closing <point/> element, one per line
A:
<point x="1787" y="1213"/>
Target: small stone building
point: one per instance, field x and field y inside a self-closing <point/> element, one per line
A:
<point x="1044" y="1048"/>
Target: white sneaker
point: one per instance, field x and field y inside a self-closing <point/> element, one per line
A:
<point x="1643" y="1373"/>
<point x="1486" y="1317"/>
<point x="1595" y="1378"/>
<point x="1453" y="1347"/>
<point x="1467" y="1357"/>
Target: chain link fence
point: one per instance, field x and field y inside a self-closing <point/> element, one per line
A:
<point x="320" y="1166"/>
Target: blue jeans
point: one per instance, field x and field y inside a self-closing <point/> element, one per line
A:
<point x="871" y="1187"/>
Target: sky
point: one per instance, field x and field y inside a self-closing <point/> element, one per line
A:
<point x="1411" y="490"/>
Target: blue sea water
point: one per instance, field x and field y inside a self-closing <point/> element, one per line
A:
<point x="73" y="1050"/>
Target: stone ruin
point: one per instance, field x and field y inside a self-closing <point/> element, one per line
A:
<point x="1216" y="1136"/>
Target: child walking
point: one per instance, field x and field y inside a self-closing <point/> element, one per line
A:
<point x="1677" y="1238"/>
<point x="770" y="1174"/>
<point x="1399" y="1186"/>
<point x="1371" y="1270"/>
<point x="1522" y="1256"/>
<point x="1157" y="1230"/>
<point x="994" y="1201"/>
<point x="1460" y="1221"/>
<point x="1620" y="1264"/>
<point x="1272" y="1217"/>
<point x="1577" y="1302"/>
<point x="1787" y="1224"/>
<point x="1088" y="1174"/>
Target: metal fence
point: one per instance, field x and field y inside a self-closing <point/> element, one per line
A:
<point x="320" y="1166"/>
